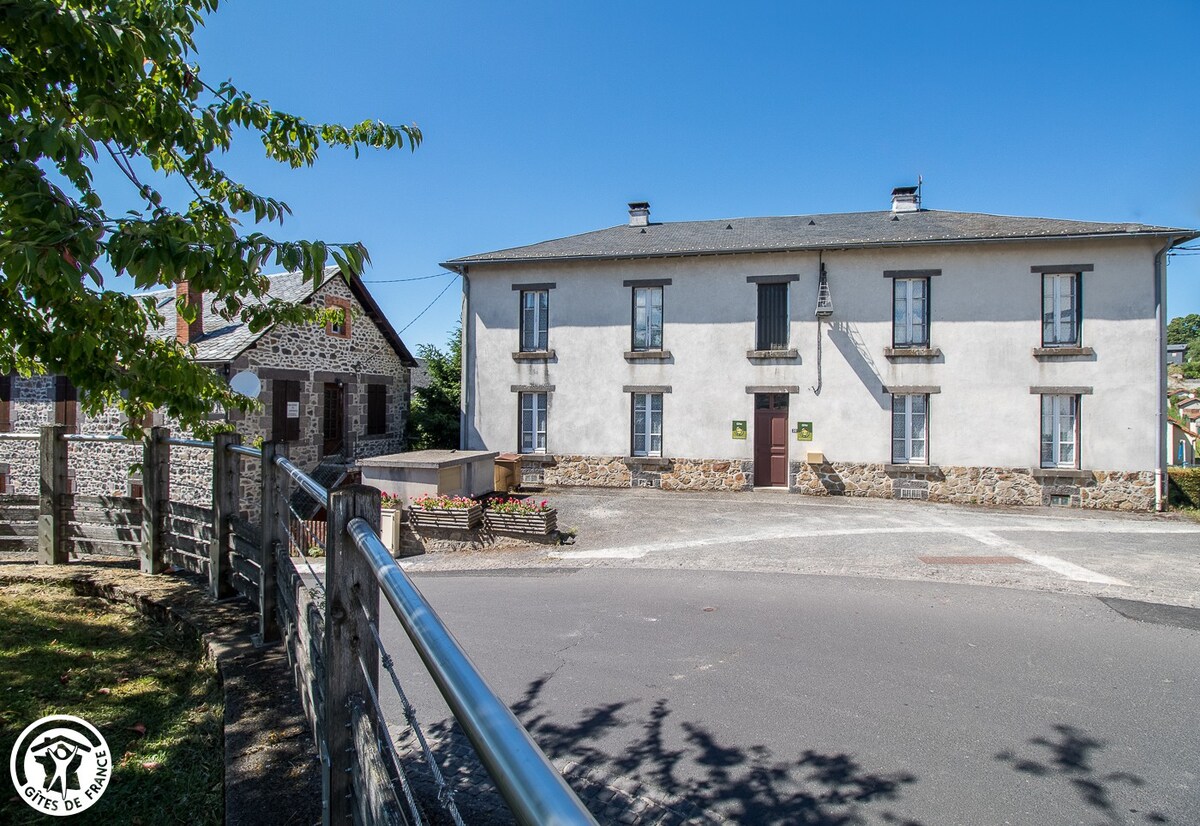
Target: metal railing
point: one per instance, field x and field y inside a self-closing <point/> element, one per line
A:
<point x="534" y="791"/>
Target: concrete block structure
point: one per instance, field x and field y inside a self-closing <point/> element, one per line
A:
<point x="908" y="353"/>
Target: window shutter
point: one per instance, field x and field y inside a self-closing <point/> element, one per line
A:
<point x="65" y="403"/>
<point x="5" y="403"/>
<point x="285" y="428"/>
<point x="376" y="409"/>
<point x="772" y="316"/>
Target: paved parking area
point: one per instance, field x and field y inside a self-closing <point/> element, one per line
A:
<point x="1155" y="558"/>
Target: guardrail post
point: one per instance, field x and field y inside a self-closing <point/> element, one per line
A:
<point x="273" y="542"/>
<point x="351" y="602"/>
<point x="156" y="493"/>
<point x="52" y="489"/>
<point x="226" y="481"/>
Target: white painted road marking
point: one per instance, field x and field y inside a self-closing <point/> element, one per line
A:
<point x="1060" y="566"/>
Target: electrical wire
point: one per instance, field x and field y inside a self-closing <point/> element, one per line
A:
<point x="430" y="304"/>
<point x="399" y="280"/>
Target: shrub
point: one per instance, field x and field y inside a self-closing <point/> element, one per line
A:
<point x="1184" y="486"/>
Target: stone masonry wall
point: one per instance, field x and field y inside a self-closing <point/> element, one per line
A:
<point x="1108" y="490"/>
<point x="622" y="472"/>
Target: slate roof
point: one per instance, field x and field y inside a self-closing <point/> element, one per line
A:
<point x="802" y="232"/>
<point x="226" y="340"/>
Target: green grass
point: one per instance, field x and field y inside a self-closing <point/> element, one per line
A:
<point x="67" y="654"/>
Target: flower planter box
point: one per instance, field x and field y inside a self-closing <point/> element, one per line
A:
<point x="462" y="519"/>
<point x="540" y="524"/>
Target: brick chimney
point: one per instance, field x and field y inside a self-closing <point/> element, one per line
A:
<point x="187" y="333"/>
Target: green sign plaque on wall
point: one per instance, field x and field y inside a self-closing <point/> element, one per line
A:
<point x="739" y="428"/>
<point x="803" y="431"/>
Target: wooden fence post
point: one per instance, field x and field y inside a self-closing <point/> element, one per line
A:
<point x="274" y="542"/>
<point x="351" y="601"/>
<point x="52" y="489"/>
<point x="226" y="469"/>
<point x="156" y="493"/>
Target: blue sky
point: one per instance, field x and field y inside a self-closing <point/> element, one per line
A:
<point x="544" y="119"/>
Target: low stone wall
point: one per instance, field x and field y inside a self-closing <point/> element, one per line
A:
<point x="1106" y="490"/>
<point x="626" y="472"/>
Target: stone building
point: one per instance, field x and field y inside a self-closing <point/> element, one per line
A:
<point x="331" y="393"/>
<point x="853" y="354"/>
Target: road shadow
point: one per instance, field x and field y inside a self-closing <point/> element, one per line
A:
<point x="670" y="771"/>
<point x="1068" y="755"/>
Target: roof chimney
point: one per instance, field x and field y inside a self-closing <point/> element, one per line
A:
<point x="639" y="213"/>
<point x="187" y="333"/>
<point x="906" y="199"/>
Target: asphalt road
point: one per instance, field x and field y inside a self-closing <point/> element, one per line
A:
<point x="785" y="698"/>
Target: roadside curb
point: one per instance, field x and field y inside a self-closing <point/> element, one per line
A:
<point x="264" y="735"/>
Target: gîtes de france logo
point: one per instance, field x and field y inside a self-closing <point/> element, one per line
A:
<point x="60" y="765"/>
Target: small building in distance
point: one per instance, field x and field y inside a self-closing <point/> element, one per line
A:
<point x="332" y="393"/>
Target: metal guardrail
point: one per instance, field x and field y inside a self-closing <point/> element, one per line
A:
<point x="20" y="437"/>
<point x="535" y="792"/>
<point x="91" y="437"/>
<point x="310" y="486"/>
<point x="190" y="443"/>
<point x="245" y="451"/>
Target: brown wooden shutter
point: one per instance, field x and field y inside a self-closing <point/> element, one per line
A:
<point x="6" y="409"/>
<point x="285" y="428"/>
<point x="66" y="404"/>
<point x="376" y="409"/>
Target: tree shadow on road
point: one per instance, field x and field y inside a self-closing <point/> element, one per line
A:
<point x="1068" y="756"/>
<point x="689" y="772"/>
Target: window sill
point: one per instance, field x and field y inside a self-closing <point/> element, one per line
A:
<point x="537" y="458"/>
<point x="909" y="468"/>
<point x="1060" y="473"/>
<point x="912" y="352"/>
<point x="646" y="461"/>
<point x="534" y="355"/>
<point x="647" y="355"/>
<point x="763" y="355"/>
<point x="1063" y="352"/>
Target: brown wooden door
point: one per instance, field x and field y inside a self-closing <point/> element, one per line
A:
<point x="335" y="419"/>
<point x="770" y="439"/>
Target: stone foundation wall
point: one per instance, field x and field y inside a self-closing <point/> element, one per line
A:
<point x="1107" y="490"/>
<point x="446" y="540"/>
<point x="708" y="474"/>
<point x="626" y="472"/>
<point x="589" y="471"/>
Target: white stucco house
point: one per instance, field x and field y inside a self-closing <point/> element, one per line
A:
<point x="908" y="352"/>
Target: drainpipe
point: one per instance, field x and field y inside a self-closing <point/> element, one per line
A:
<point x="1160" y="319"/>
<point x="464" y="385"/>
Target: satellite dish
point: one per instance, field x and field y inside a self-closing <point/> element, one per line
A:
<point x="247" y="384"/>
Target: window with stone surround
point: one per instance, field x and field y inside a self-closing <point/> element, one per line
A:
<point x="535" y="321"/>
<point x="533" y="423"/>
<point x="1060" y="431"/>
<point x="910" y="312"/>
<point x="338" y="327"/>
<point x="647" y="318"/>
<point x="376" y="409"/>
<point x="647" y="424"/>
<point x="910" y="429"/>
<point x="5" y="480"/>
<point x="1061" y="306"/>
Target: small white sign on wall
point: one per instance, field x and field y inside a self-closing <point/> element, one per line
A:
<point x="293" y="410"/>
